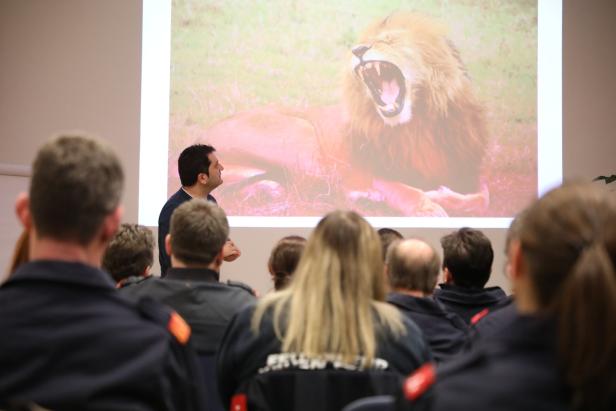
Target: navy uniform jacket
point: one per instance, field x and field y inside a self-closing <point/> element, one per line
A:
<point x="466" y="302"/>
<point x="514" y="370"/>
<point x="70" y="341"/>
<point x="164" y="220"/>
<point x="195" y="293"/>
<point x="243" y="355"/>
<point x="445" y="332"/>
<point x="491" y="325"/>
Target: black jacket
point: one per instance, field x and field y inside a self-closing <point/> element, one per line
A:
<point x="514" y="370"/>
<point x="206" y="304"/>
<point x="253" y="363"/>
<point x="445" y="332"/>
<point x="467" y="302"/>
<point x="69" y="340"/>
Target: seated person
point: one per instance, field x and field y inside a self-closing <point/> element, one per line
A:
<point x="467" y="264"/>
<point x="388" y="236"/>
<point x="129" y="255"/>
<point x="330" y="324"/>
<point x="284" y="258"/>
<point x="69" y="340"/>
<point x="559" y="352"/>
<point x="413" y="267"/>
<point x="199" y="231"/>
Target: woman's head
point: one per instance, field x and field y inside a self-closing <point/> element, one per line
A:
<point x="335" y="300"/>
<point x="284" y="258"/>
<point x="347" y="250"/>
<point x="568" y="259"/>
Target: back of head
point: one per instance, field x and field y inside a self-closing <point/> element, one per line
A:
<point x="193" y="161"/>
<point x="130" y="252"/>
<point x="284" y="258"/>
<point x="413" y="265"/>
<point x="199" y="230"/>
<point x="388" y="236"/>
<point x="468" y="255"/>
<point x="568" y="241"/>
<point x="336" y="291"/>
<point x="76" y="182"/>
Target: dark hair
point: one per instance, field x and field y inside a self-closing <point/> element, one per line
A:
<point x="413" y="265"/>
<point x="199" y="230"/>
<point x="468" y="255"/>
<point x="129" y="253"/>
<point x="388" y="236"/>
<point x="284" y="258"/>
<point x="21" y="253"/>
<point x="194" y="161"/>
<point x="76" y="183"/>
<point x="568" y="241"/>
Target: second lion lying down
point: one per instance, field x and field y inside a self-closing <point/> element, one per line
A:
<point x="408" y="139"/>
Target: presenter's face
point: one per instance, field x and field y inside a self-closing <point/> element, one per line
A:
<point x="214" y="171"/>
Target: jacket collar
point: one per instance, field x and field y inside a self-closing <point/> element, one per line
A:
<point x="192" y="274"/>
<point x="62" y="272"/>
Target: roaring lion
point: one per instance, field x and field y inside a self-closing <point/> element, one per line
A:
<point x="408" y="138"/>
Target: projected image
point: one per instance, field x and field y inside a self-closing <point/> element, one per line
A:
<point x="421" y="108"/>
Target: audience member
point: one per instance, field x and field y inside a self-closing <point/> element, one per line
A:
<point x="199" y="230"/>
<point x="413" y="267"/>
<point x="467" y="264"/>
<point x="200" y="173"/>
<point x="69" y="340"/>
<point x="332" y="318"/>
<point x="284" y="258"/>
<point x="559" y="353"/>
<point x="388" y="236"/>
<point x="130" y="255"/>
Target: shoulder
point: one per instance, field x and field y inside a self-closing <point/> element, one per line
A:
<point x="238" y="285"/>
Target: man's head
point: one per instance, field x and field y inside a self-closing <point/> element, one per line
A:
<point x="74" y="192"/>
<point x="413" y="265"/>
<point x="199" y="230"/>
<point x="467" y="257"/>
<point x="199" y="164"/>
<point x="388" y="236"/>
<point x="130" y="252"/>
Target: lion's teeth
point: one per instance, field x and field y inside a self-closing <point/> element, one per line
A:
<point x="378" y="68"/>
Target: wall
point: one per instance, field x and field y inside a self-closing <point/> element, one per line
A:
<point x="74" y="64"/>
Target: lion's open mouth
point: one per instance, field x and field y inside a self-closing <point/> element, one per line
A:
<point x="386" y="84"/>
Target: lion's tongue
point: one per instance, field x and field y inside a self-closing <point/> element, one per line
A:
<point x="390" y="91"/>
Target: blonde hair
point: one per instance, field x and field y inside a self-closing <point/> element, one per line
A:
<point x="335" y="302"/>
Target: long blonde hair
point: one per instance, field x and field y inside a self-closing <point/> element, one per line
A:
<point x="335" y="301"/>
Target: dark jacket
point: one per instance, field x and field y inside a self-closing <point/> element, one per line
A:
<point x="253" y="363"/>
<point x="491" y="325"/>
<point x="206" y="304"/>
<point x="515" y="370"/>
<point x="467" y="302"/>
<point x="71" y="341"/>
<point x="445" y="332"/>
<point x="164" y="221"/>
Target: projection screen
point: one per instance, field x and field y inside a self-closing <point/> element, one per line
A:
<point x="416" y="114"/>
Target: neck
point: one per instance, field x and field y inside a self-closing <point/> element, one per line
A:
<point x="412" y="293"/>
<point x="50" y="249"/>
<point x="197" y="190"/>
<point x="175" y="263"/>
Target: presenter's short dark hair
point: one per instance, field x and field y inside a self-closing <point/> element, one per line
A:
<point x="468" y="255"/>
<point x="192" y="162"/>
<point x="76" y="182"/>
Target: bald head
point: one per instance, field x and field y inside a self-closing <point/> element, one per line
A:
<point x="413" y="265"/>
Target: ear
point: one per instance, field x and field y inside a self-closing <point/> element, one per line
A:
<point x="168" y="244"/>
<point x="447" y="276"/>
<point x="202" y="178"/>
<point x="22" y="209"/>
<point x="517" y="265"/>
<point x="111" y="223"/>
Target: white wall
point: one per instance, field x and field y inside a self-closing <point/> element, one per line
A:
<point x="75" y="64"/>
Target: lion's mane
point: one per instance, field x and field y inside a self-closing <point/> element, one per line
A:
<point x="444" y="141"/>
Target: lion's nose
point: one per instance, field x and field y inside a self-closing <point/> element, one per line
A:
<point x="360" y="50"/>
